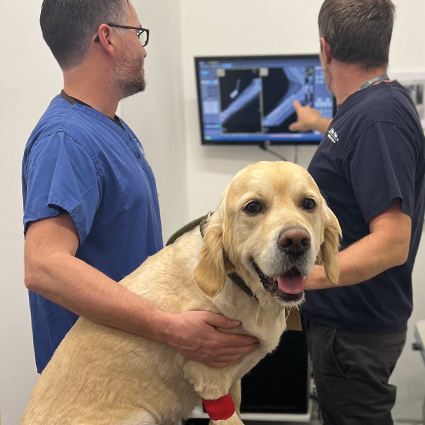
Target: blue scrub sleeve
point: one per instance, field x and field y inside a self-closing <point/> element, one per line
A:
<point x="61" y="175"/>
<point x="381" y="166"/>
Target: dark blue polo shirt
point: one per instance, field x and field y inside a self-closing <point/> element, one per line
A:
<point x="80" y="161"/>
<point x="373" y="153"/>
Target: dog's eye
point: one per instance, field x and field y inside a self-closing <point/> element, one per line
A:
<point x="253" y="207"/>
<point x="309" y="204"/>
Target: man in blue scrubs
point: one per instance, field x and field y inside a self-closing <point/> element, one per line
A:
<point x="91" y="211"/>
<point x="370" y="166"/>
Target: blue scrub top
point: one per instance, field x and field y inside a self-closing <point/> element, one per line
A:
<point x="80" y="161"/>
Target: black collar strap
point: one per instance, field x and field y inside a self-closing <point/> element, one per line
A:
<point x="201" y="221"/>
<point x="241" y="283"/>
<point x="198" y="222"/>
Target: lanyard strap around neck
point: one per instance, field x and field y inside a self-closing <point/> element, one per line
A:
<point x="373" y="81"/>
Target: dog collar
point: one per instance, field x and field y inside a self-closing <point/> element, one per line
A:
<point x="198" y="222"/>
<point x="241" y="283"/>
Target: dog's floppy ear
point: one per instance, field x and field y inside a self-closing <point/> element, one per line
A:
<point x="210" y="272"/>
<point x="330" y="245"/>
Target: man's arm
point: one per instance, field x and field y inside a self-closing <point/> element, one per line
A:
<point x="387" y="246"/>
<point x="53" y="271"/>
<point x="309" y="119"/>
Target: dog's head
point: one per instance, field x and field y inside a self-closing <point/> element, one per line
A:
<point x="274" y="225"/>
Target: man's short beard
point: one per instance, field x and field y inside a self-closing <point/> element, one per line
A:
<point x="125" y="87"/>
<point x="127" y="77"/>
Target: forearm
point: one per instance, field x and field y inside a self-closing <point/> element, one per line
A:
<point x="309" y="119"/>
<point x="359" y="262"/>
<point x="87" y="292"/>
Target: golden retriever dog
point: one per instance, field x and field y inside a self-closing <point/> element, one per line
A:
<point x="271" y="226"/>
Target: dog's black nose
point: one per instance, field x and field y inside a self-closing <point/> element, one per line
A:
<point x="294" y="241"/>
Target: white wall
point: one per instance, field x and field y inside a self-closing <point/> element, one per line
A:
<point x="190" y="177"/>
<point x="29" y="78"/>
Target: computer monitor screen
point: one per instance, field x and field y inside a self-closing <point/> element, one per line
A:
<point x="249" y="100"/>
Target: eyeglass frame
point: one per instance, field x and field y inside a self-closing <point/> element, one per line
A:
<point x="141" y="30"/>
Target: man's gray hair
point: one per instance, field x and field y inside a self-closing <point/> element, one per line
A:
<point x="69" y="26"/>
<point x="358" y="31"/>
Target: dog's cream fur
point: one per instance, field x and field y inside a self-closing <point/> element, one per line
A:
<point x="103" y="376"/>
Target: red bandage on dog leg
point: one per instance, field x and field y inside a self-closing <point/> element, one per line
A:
<point x="220" y="409"/>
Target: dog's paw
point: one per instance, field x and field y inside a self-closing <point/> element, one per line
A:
<point x="233" y="420"/>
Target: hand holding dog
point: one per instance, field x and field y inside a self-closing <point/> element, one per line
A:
<point x="194" y="334"/>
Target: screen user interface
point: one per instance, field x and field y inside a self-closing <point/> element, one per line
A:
<point x="251" y="99"/>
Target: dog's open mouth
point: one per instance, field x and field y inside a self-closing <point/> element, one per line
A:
<point x="288" y="287"/>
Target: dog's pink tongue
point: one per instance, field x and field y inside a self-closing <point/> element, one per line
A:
<point x="291" y="284"/>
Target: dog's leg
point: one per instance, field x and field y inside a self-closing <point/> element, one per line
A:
<point x="209" y="383"/>
<point x="235" y="393"/>
<point x="141" y="418"/>
<point x="214" y="384"/>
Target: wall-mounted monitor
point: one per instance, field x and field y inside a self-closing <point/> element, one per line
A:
<point x="249" y="99"/>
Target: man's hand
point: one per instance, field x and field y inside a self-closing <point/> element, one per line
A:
<point x="309" y="119"/>
<point x="193" y="334"/>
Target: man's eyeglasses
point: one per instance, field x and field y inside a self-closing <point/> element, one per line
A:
<point x="142" y="33"/>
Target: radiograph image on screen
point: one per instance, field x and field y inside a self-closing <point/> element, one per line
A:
<point x="240" y="101"/>
<point x="280" y="88"/>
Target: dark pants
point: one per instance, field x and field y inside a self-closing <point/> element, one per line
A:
<point x="351" y="372"/>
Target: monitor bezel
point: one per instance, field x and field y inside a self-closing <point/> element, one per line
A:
<point x="301" y="141"/>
